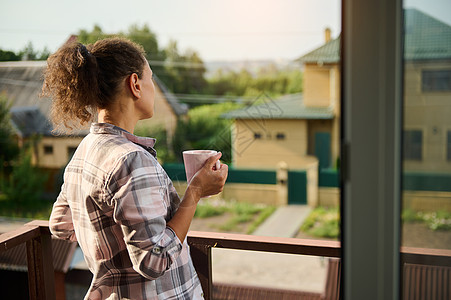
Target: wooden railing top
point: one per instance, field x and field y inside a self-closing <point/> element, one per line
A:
<point x="22" y="234"/>
<point x="36" y="236"/>
<point x="266" y="244"/>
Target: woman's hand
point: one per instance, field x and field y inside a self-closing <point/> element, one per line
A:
<point x="209" y="180"/>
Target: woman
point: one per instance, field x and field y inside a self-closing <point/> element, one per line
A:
<point x="116" y="199"/>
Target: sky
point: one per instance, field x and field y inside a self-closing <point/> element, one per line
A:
<point x="217" y="30"/>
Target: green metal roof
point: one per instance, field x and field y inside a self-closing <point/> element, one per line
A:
<point x="328" y="53"/>
<point x="426" y="38"/>
<point x="286" y="107"/>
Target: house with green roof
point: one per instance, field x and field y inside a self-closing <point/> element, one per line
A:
<point x="427" y="92"/>
<point x="300" y="130"/>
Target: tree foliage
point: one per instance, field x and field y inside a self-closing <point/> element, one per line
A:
<point x="183" y="72"/>
<point x="205" y="129"/>
<point x="27" y="53"/>
<point x="6" y="55"/>
<point x="25" y="183"/>
<point x="20" y="181"/>
<point x="8" y="147"/>
<point x="269" y="80"/>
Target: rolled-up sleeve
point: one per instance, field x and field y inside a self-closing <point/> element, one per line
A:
<point x="60" y="222"/>
<point x="140" y="196"/>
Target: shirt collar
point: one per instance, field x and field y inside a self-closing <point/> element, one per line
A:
<point x="145" y="142"/>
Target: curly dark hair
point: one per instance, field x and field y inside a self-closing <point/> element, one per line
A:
<point x="81" y="79"/>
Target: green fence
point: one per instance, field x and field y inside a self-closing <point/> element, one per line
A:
<point x="436" y="182"/>
<point x="297" y="180"/>
<point x="177" y="173"/>
<point x="328" y="178"/>
<point x="412" y="181"/>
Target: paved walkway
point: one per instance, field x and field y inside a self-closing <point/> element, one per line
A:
<point x="273" y="270"/>
<point x="284" y="222"/>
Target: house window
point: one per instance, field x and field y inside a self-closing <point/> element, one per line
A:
<point x="280" y="136"/>
<point x="413" y="144"/>
<point x="71" y="151"/>
<point x="257" y="136"/>
<point x="448" y="145"/>
<point x="48" y="149"/>
<point x="436" y="80"/>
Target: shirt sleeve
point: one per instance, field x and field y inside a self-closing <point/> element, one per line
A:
<point x="60" y="221"/>
<point x="140" y="196"/>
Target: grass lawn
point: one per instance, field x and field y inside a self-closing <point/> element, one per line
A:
<point x="235" y="217"/>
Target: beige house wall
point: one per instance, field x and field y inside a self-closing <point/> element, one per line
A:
<point x="60" y="155"/>
<point x="322" y="88"/>
<point x="429" y="112"/>
<point x="268" y="151"/>
<point x="316" y="85"/>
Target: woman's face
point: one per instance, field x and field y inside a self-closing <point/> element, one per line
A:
<point x="146" y="103"/>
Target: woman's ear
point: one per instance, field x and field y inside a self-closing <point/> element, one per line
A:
<point x="134" y="84"/>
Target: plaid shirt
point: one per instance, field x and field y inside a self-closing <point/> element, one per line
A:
<point x="115" y="201"/>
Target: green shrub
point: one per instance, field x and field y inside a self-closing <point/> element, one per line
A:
<point x="322" y="222"/>
<point x="206" y="210"/>
<point x="238" y="212"/>
<point x="436" y="220"/>
<point x="25" y="184"/>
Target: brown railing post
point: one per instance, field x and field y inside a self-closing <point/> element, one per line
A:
<point x="41" y="280"/>
<point x="201" y="256"/>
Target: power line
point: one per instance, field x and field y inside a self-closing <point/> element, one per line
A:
<point x="198" y="33"/>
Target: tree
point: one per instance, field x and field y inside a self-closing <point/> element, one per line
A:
<point x="25" y="184"/>
<point x="90" y="37"/>
<point x="8" y="56"/>
<point x="8" y="146"/>
<point x="269" y="80"/>
<point x="184" y="73"/>
<point x="28" y="53"/>
<point x="147" y="39"/>
<point x="205" y="129"/>
<point x="19" y="180"/>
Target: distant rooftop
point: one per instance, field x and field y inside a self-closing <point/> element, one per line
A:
<point x="22" y="81"/>
<point x="30" y="120"/>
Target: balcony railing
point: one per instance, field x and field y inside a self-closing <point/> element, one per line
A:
<point x="37" y="237"/>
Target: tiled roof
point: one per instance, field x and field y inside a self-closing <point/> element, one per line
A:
<point x="328" y="53"/>
<point x="426" y="38"/>
<point x="287" y="107"/>
<point x="29" y="120"/>
<point x="22" y="81"/>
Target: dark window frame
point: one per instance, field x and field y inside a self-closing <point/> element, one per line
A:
<point x="448" y="145"/>
<point x="436" y="80"/>
<point x="413" y="140"/>
<point x="48" y="149"/>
